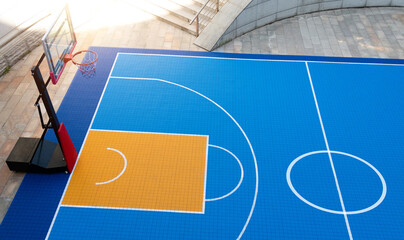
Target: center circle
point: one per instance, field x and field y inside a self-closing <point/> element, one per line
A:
<point x="383" y="195"/>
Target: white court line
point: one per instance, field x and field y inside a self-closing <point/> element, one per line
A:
<point x="241" y="175"/>
<point x="161" y="133"/>
<point x="261" y="60"/>
<point x="133" y="209"/>
<point x="238" y="125"/>
<point x="78" y="156"/>
<point x="123" y="170"/>
<point x="329" y="155"/>
<point x="206" y="174"/>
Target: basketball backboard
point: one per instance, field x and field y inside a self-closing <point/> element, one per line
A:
<point x="58" y="41"/>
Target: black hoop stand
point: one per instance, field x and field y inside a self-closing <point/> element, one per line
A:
<point x="39" y="154"/>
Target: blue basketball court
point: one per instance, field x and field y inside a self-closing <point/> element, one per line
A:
<point x="287" y="147"/>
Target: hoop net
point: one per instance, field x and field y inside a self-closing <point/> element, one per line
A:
<point x="85" y="61"/>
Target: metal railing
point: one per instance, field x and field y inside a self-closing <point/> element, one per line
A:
<point x="21" y="40"/>
<point x="197" y="16"/>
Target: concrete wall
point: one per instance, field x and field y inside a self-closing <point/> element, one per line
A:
<point x="261" y="12"/>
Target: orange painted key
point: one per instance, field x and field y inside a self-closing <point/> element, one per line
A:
<point x="145" y="171"/>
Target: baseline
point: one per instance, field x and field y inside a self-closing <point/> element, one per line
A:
<point x="322" y="60"/>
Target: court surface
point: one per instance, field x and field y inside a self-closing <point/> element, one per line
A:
<point x="189" y="145"/>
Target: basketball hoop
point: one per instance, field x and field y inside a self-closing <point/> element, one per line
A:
<point x="85" y="60"/>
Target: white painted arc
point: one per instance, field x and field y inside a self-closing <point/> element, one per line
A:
<point x="241" y="174"/>
<point x="123" y="170"/>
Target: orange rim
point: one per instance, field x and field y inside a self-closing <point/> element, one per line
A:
<point x="84" y="64"/>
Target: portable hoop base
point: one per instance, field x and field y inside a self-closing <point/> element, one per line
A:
<point x="40" y="154"/>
